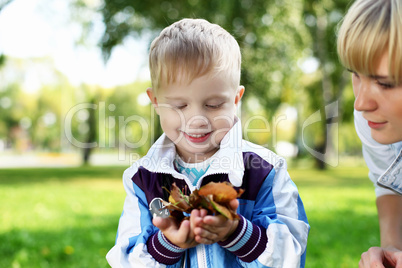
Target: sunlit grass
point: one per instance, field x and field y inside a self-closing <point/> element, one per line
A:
<point x="68" y="217"/>
<point x="340" y="206"/>
<point x="59" y="217"/>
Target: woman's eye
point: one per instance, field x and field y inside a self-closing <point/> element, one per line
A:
<point x="354" y="73"/>
<point x="385" y="85"/>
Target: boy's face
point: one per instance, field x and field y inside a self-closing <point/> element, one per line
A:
<point x="197" y="116"/>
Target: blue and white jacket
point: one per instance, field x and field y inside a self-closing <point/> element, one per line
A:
<point x="273" y="228"/>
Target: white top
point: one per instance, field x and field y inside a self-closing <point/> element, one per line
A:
<point x="383" y="161"/>
<point x="194" y="171"/>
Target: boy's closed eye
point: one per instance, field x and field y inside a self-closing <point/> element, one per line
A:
<point x="214" y="106"/>
<point x="176" y="105"/>
<point x="180" y="106"/>
<point x="209" y="106"/>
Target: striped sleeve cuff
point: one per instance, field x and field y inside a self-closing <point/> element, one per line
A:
<point x="247" y="242"/>
<point x="162" y="250"/>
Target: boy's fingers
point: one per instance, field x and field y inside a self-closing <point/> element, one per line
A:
<point x="203" y="213"/>
<point x="195" y="213"/>
<point x="184" y="234"/>
<point x="161" y="223"/>
<point x="214" y="220"/>
<point x="196" y="218"/>
<point x="205" y="241"/>
<point x="184" y="231"/>
<point x="234" y="204"/>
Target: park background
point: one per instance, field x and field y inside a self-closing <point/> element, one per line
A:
<point x="74" y="115"/>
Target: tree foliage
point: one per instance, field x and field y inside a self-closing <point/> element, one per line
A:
<point x="273" y="35"/>
<point x="3" y="4"/>
<point x="268" y="33"/>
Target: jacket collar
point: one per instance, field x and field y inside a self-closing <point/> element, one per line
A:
<point x="227" y="160"/>
<point x="397" y="147"/>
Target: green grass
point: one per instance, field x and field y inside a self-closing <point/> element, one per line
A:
<point x="340" y="206"/>
<point x="68" y="217"/>
<point x="59" y="217"/>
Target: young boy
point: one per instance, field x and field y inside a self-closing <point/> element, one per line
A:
<point x="195" y="73"/>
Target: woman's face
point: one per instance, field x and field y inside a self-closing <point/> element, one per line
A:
<point x="380" y="101"/>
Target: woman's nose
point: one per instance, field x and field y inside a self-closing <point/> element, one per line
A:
<point x="364" y="96"/>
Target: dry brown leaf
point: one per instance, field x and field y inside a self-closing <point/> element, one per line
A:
<point x="214" y="197"/>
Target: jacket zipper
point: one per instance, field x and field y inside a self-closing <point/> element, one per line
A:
<point x="201" y="256"/>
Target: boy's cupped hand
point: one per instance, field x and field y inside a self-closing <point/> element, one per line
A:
<point x="199" y="229"/>
<point x="180" y="234"/>
<point x="210" y="229"/>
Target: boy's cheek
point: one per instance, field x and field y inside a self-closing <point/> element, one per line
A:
<point x="173" y="115"/>
<point x="167" y="109"/>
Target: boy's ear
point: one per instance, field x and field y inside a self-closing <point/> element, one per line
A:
<point x="239" y="94"/>
<point x="152" y="98"/>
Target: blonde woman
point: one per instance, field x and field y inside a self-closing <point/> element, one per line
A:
<point x="370" y="46"/>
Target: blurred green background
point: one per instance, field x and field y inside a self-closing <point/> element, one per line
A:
<point x="74" y="114"/>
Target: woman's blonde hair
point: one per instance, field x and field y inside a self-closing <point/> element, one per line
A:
<point x="369" y="29"/>
<point x="191" y="48"/>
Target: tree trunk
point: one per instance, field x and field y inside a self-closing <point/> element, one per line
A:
<point x="92" y="134"/>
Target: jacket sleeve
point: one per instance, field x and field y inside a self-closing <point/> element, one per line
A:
<point x="135" y="228"/>
<point x="278" y="211"/>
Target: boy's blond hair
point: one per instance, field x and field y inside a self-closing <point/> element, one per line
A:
<point x="369" y="29"/>
<point x="191" y="48"/>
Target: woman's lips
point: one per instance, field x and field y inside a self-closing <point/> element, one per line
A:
<point x="197" y="138"/>
<point x="375" y="125"/>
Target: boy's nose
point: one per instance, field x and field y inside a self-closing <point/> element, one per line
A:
<point x="197" y="121"/>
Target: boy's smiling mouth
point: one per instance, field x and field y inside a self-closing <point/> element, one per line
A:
<point x="197" y="137"/>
